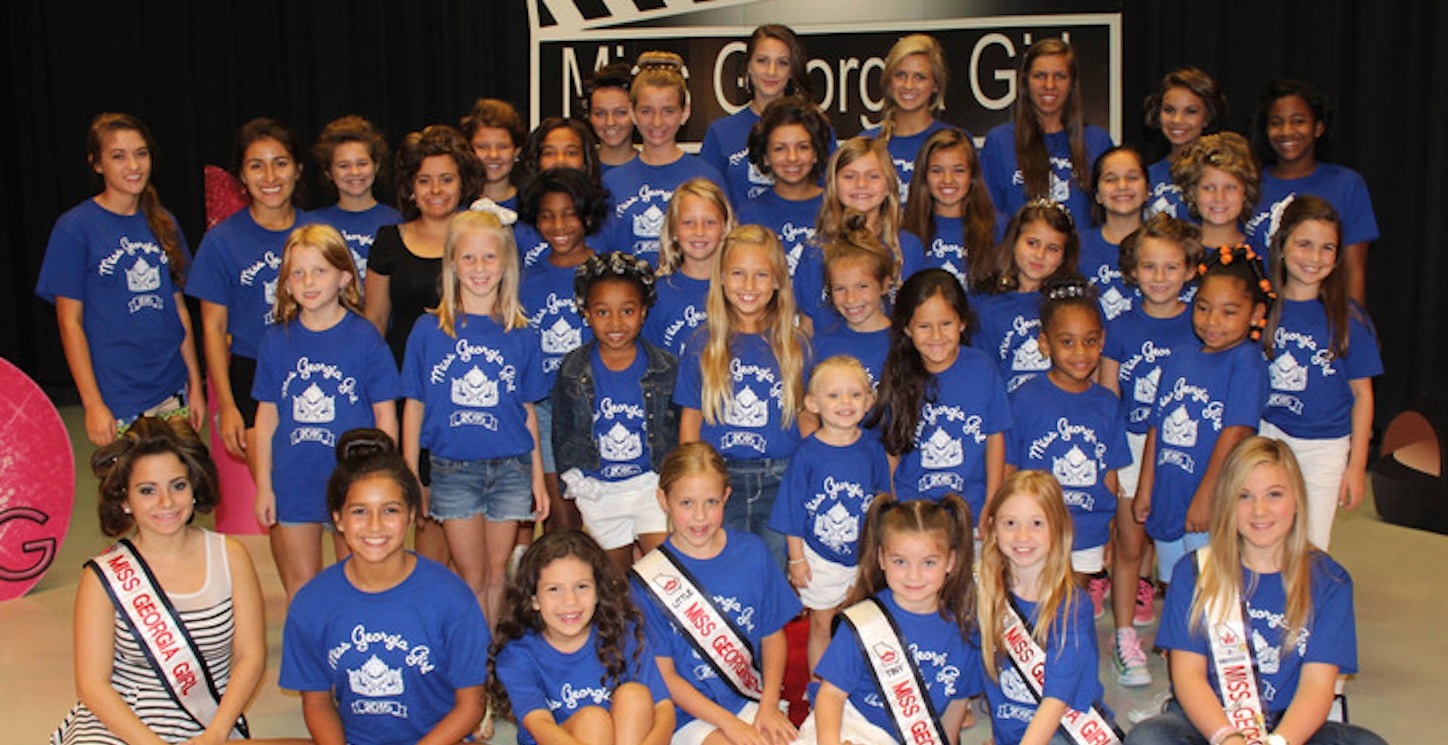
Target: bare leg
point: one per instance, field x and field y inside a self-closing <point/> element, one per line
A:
<point x="633" y="713"/>
<point x="466" y="540"/>
<point x="497" y="547"/>
<point x="297" y="550"/>
<point x="592" y="725"/>
<point x="1126" y="566"/>
<point x="819" y="635"/>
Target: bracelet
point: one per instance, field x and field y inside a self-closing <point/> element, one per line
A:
<point x="795" y="561"/>
<point x="1226" y="733"/>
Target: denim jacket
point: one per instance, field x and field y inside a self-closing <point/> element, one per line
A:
<point x="573" y="404"/>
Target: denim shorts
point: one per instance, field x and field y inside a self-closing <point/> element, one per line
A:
<point x="499" y="489"/>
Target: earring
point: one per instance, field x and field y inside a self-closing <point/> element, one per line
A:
<point x="126" y="510"/>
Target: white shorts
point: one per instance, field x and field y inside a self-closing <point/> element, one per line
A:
<point x="1128" y="476"/>
<point x="1323" y="463"/>
<point x="1089" y="560"/>
<point x="615" y="513"/>
<point x="854" y="727"/>
<point x="829" y="582"/>
<point x="694" y="732"/>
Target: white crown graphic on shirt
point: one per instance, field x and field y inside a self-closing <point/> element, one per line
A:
<point x="1014" y="687"/>
<point x="649" y="223"/>
<point x="618" y="443"/>
<point x="474" y="389"/>
<point x="314" y="406"/>
<point x="1074" y="469"/>
<point x="375" y="679"/>
<point x="269" y="291"/>
<point x="142" y="277"/>
<point x="837" y="528"/>
<point x="560" y="338"/>
<point x="1113" y="303"/>
<point x="1179" y="429"/>
<point x="1029" y="358"/>
<point x="941" y="451"/>
<point x="1144" y="392"/>
<point x="1269" y="658"/>
<point x="748" y="410"/>
<point x="1060" y="189"/>
<point x="759" y="177"/>
<point x="1287" y="375"/>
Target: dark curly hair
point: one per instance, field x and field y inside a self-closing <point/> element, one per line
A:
<point x="148" y="436"/>
<point x="615" y="618"/>
<point x="1317" y="102"/>
<point x="1068" y="290"/>
<point x="590" y="200"/>
<point x="366" y="452"/>
<point x="352" y="128"/>
<point x="432" y="141"/>
<point x="528" y="166"/>
<point x="791" y="110"/>
<point x="615" y="266"/>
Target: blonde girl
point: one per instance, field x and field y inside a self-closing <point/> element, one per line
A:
<point x="472" y="370"/>
<point x="741" y="384"/>
<point x="642" y="188"/>
<point x="1025" y="572"/>
<point x="1220" y="184"/>
<point x="322" y="370"/>
<point x="915" y="77"/>
<point x="698" y="218"/>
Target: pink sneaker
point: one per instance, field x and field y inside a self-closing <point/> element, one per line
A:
<point x="1097" y="588"/>
<point x="1145" y="612"/>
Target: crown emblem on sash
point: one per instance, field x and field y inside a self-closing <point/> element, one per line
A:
<point x="649" y="223"/>
<point x="314" y="406"/>
<point x="619" y="444"/>
<point x="1074" y="469"/>
<point x="748" y="410"/>
<point x="142" y="276"/>
<point x="375" y="679"/>
<point x="1179" y="429"/>
<point x="1287" y="374"/>
<point x="941" y="451"/>
<point x="474" y="389"/>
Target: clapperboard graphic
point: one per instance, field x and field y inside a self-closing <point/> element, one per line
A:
<point x="847" y="41"/>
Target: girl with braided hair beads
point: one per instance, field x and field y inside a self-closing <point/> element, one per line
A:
<point x="1072" y="427"/>
<point x="1209" y="398"/>
<point x="569" y="658"/>
<point x="1040" y="244"/>
<point x="613" y="418"/>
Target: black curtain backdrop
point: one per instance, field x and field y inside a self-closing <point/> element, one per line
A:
<point x="195" y="71"/>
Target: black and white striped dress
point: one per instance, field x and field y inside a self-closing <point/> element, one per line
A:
<point x="207" y="615"/>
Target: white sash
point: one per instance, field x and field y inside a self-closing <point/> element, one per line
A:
<point x="896" y="674"/>
<point x="167" y="644"/>
<point x="1236" y="670"/>
<point x="712" y="634"/>
<point x="1090" y="727"/>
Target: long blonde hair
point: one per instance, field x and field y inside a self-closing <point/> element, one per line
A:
<point x="927" y="46"/>
<point x="671" y="256"/>
<point x="1058" y="592"/>
<point x="835" y="221"/>
<point x="1219" y="582"/>
<point x="785" y="341"/>
<point x="333" y="248"/>
<point x="507" y="309"/>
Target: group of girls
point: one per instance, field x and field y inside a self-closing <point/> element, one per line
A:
<point x="601" y="308"/>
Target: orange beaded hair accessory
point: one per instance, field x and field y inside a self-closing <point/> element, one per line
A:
<point x="1255" y="275"/>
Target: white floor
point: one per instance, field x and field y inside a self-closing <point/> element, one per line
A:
<point x="1401" y="606"/>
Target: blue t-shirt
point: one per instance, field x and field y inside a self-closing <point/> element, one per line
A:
<point x="1330" y="636"/>
<point x="680" y="310"/>
<point x="473" y="387"/>
<point x="794" y="224"/>
<point x="393" y="660"/>
<point x="1141" y="345"/>
<point x="620" y="425"/>
<point x="1070" y="675"/>
<point x="1100" y="264"/>
<point x="726" y="148"/>
<point x="826" y="491"/>
<point x="949" y="664"/>
<point x="1342" y="187"/>
<point x="904" y="148"/>
<point x="748" y="589"/>
<point x="539" y="677"/>
<point x="238" y="266"/>
<point x="753" y="427"/>
<point x="948" y="250"/>
<point x="359" y="229"/>
<point x="641" y="195"/>
<point x="546" y="292"/>
<point x="532" y="246"/>
<point x="1009" y="331"/>
<point x="1311" y="396"/>
<point x="1200" y="394"/>
<point x="1007" y="185"/>
<point x="118" y="271"/>
<point x="870" y="348"/>
<point x="1078" y="438"/>
<point x="322" y="383"/>
<point x="966" y="404"/>
<point x="1165" y="197"/>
